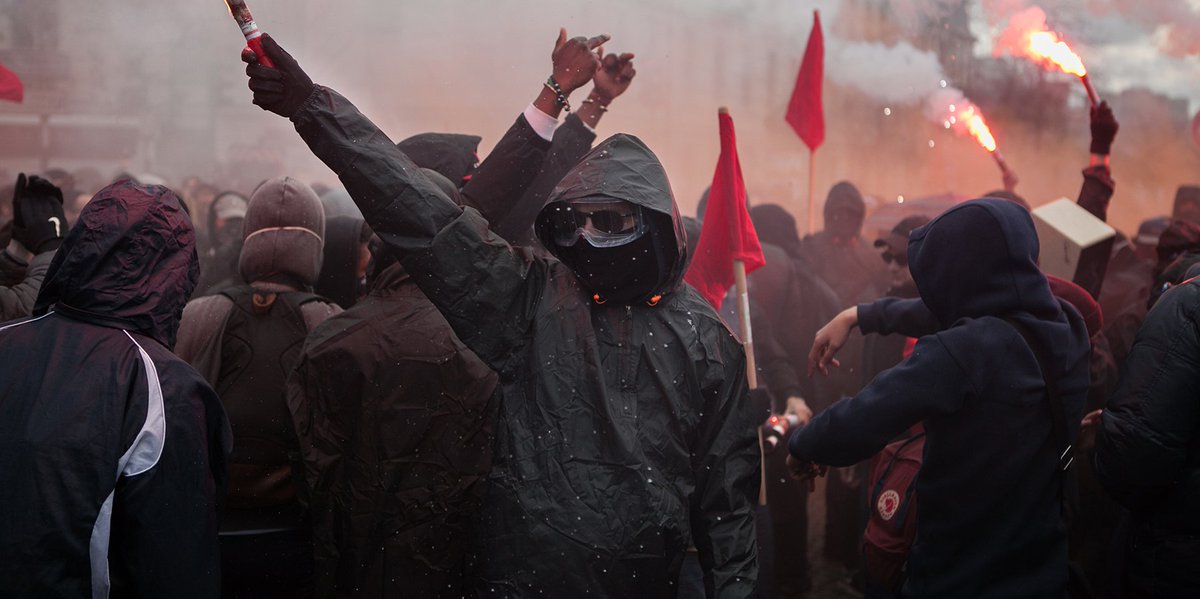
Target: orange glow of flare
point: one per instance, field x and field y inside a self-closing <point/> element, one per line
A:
<point x="978" y="128"/>
<point x="1046" y="47"/>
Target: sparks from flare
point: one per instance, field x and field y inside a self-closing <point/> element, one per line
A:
<point x="965" y="118"/>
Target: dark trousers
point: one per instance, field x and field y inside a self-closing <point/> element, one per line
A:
<point x="786" y="542"/>
<point x="267" y="566"/>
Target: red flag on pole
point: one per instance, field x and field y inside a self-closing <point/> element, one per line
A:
<point x="805" y="113"/>
<point x="727" y="234"/>
<point x="11" y="87"/>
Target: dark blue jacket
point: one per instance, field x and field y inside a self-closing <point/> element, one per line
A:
<point x="990" y="523"/>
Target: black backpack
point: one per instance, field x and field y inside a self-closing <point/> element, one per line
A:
<point x="260" y="345"/>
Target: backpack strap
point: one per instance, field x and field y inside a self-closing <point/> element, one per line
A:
<point x="1058" y="417"/>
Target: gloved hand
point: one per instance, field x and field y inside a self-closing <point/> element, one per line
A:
<point x="282" y="89"/>
<point x="38" y="219"/>
<point x="1104" y="129"/>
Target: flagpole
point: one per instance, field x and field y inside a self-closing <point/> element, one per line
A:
<point x="743" y="308"/>
<point x="812" y="194"/>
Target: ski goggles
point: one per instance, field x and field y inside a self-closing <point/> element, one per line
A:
<point x="602" y="222"/>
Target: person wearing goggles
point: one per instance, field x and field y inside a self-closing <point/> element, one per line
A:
<point x="601" y="222"/>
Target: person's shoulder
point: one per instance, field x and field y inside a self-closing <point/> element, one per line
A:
<point x="686" y="304"/>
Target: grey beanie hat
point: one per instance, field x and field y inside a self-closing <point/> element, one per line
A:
<point x="284" y="234"/>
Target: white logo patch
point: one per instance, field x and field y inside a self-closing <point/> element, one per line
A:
<point x="889" y="502"/>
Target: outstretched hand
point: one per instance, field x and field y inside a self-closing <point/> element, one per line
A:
<point x="830" y="339"/>
<point x="281" y="89"/>
<point x="613" y="77"/>
<point x="576" y="59"/>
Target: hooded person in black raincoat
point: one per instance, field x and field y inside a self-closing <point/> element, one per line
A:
<point x="624" y="432"/>
<point x="112" y="450"/>
<point x="991" y="522"/>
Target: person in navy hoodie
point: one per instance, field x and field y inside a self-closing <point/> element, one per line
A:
<point x="991" y="522"/>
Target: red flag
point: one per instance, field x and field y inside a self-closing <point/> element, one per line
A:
<point x="11" y="87"/>
<point x="727" y="234"/>
<point x="805" y="113"/>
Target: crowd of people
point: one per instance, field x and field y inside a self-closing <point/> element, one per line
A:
<point x="457" y="377"/>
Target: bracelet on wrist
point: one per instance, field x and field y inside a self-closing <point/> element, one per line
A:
<point x="559" y="96"/>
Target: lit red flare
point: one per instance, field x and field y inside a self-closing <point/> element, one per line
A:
<point x="978" y="128"/>
<point x="1027" y="36"/>
<point x="241" y="14"/>
<point x="1050" y="50"/>
<point x="965" y="118"/>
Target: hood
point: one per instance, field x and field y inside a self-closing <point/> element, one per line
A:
<point x="623" y="168"/>
<point x="130" y="262"/>
<point x="337" y="202"/>
<point x="775" y="225"/>
<point x="227" y="205"/>
<point x="980" y="259"/>
<point x="339" y="269"/>
<point x="844" y="211"/>
<point x="453" y="155"/>
<point x="284" y="234"/>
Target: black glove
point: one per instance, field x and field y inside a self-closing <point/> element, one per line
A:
<point x="282" y="89"/>
<point x="1104" y="129"/>
<point x="38" y="219"/>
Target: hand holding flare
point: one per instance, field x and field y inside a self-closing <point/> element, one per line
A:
<point x="241" y="14"/>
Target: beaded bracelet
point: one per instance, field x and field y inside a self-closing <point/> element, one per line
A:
<point x="559" y="96"/>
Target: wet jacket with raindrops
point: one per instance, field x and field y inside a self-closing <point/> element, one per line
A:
<point x="624" y="431"/>
<point x="112" y="450"/>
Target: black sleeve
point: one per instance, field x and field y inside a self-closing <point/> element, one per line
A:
<point x="1094" y="197"/>
<point x="1150" y="422"/>
<point x="572" y="141"/>
<point x="928" y="383"/>
<point x="772" y="362"/>
<point x="485" y="288"/>
<point x="506" y="174"/>
<point x="889" y="315"/>
<point x="726" y="468"/>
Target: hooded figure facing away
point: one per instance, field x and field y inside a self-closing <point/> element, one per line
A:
<point x="112" y="450"/>
<point x="624" y="433"/>
<point x="991" y="521"/>
<point x="395" y="418"/>
<point x="245" y="341"/>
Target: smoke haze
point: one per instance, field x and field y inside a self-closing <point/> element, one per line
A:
<point x="169" y="71"/>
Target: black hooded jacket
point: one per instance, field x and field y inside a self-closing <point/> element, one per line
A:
<point x="339" y="270"/>
<point x="624" y="432"/>
<point x="1148" y="447"/>
<point x="112" y="450"/>
<point x="990" y="523"/>
<point x="396" y="418"/>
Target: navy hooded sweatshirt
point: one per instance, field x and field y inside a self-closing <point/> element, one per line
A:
<point x="990" y="521"/>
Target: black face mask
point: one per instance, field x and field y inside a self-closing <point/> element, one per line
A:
<point x="623" y="274"/>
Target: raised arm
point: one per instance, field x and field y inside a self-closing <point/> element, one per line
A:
<point x="1096" y="192"/>
<point x="485" y="288"/>
<point x="512" y="184"/>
